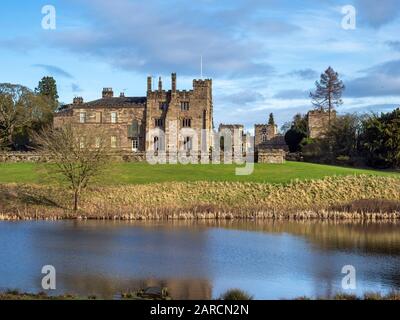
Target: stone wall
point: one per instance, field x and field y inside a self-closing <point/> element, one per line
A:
<point x="271" y="156"/>
<point x="318" y="122"/>
<point x="14" y="157"/>
<point x="264" y="132"/>
<point x="33" y="157"/>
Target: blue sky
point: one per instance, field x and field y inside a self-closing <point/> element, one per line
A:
<point x="263" y="55"/>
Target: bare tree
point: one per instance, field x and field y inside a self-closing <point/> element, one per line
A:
<point x="328" y="92"/>
<point x="79" y="154"/>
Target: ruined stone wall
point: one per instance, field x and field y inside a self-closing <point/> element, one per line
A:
<point x="271" y="156"/>
<point x="267" y="137"/>
<point x="318" y="122"/>
<point x="264" y="131"/>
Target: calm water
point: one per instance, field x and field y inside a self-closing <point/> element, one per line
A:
<point x="270" y="260"/>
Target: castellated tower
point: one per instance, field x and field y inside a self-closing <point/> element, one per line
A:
<point x="175" y="109"/>
<point x="318" y="122"/>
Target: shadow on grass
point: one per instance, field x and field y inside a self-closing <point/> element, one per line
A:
<point x="22" y="195"/>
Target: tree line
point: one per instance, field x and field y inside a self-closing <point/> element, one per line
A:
<point x="352" y="139"/>
<point x="23" y="111"/>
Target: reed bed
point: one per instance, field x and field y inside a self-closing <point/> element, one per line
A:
<point x="332" y="198"/>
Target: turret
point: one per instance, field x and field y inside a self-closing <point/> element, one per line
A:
<point x="173" y="82"/>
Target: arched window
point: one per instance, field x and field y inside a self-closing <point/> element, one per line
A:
<point x="264" y="138"/>
<point x="156" y="143"/>
<point x="187" y="143"/>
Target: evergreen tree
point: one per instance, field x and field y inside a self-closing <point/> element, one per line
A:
<point x="328" y="93"/>
<point x="271" y="120"/>
<point x="298" y="131"/>
<point x="48" y="88"/>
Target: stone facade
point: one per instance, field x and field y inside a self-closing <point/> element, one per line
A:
<point x="132" y="122"/>
<point x="271" y="156"/>
<point x="318" y="122"/>
<point x="237" y="135"/>
<point x="173" y="110"/>
<point x="267" y="137"/>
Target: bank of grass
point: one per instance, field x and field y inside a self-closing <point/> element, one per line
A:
<point x="18" y="295"/>
<point x="144" y="173"/>
<point x="327" y="198"/>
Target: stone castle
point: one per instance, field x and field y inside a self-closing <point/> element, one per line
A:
<point x="129" y="120"/>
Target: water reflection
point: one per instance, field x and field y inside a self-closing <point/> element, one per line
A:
<point x="200" y="260"/>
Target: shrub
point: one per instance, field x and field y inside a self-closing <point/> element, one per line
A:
<point x="236" y="294"/>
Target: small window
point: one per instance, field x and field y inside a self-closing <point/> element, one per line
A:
<point x="185" y="106"/>
<point x="82" y="117"/>
<point x="264" y="138"/>
<point x="186" y="123"/>
<point x="98" y="117"/>
<point x="113" y="141"/>
<point x="156" y="143"/>
<point x="187" y="143"/>
<point x="113" y="117"/>
<point x="135" y="144"/>
<point x="159" y="122"/>
<point x="163" y="106"/>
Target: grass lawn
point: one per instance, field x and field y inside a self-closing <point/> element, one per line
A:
<point x="141" y="173"/>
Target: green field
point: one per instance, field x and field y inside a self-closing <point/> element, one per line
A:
<point x="141" y="173"/>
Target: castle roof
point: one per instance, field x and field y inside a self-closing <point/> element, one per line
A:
<point x="126" y="102"/>
<point x="230" y="126"/>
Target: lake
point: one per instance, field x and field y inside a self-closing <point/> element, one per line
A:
<point x="200" y="260"/>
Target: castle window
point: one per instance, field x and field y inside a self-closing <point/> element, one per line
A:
<point x="98" y="117"/>
<point x="187" y="143"/>
<point x="159" y="122"/>
<point x="82" y="117"/>
<point x="186" y="123"/>
<point x="185" y="106"/>
<point x="264" y="138"/>
<point x="163" y="106"/>
<point x="113" y="117"/>
<point x="135" y="144"/>
<point x="113" y="141"/>
<point x="156" y="143"/>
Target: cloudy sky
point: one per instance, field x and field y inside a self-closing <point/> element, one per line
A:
<point x="263" y="55"/>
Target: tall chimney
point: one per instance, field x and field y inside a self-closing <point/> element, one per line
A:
<point x="159" y="84"/>
<point x="148" y="84"/>
<point x="173" y="82"/>
<point x="78" y="100"/>
<point x="107" y="93"/>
